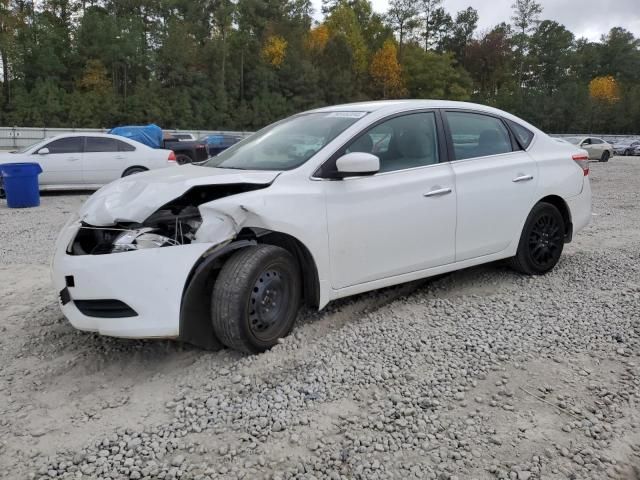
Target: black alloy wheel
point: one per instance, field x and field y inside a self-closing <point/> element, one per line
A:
<point x="546" y="241"/>
<point x="541" y="242"/>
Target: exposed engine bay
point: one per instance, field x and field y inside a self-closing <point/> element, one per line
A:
<point x="173" y="224"/>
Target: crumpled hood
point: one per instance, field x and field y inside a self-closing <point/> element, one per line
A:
<point x="136" y="197"/>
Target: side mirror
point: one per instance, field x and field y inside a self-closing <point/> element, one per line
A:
<point x="43" y="151"/>
<point x="356" y="164"/>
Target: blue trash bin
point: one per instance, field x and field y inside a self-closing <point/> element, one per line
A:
<point x="21" y="184"/>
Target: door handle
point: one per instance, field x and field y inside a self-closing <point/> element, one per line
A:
<point x="438" y="192"/>
<point x="119" y="157"/>
<point x="74" y="159"/>
<point x="523" y="178"/>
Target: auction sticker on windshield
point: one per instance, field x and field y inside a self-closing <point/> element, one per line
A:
<point x="346" y="114"/>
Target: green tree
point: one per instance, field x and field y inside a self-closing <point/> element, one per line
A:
<point x="434" y="75"/>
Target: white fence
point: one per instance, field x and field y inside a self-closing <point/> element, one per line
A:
<point x="12" y="138"/>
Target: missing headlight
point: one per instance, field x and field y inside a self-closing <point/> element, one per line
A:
<point x="141" y="239"/>
<point x="162" y="229"/>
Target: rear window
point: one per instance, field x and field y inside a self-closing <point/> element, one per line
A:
<point x="524" y="135"/>
<point x="475" y="135"/>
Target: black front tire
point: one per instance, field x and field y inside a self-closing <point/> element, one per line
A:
<point x="256" y="298"/>
<point x="605" y="157"/>
<point x="541" y="242"/>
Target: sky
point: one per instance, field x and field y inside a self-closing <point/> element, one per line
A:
<point x="585" y="18"/>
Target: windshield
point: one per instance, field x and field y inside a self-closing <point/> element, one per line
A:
<point x="26" y="149"/>
<point x="286" y="144"/>
<point x="573" y="140"/>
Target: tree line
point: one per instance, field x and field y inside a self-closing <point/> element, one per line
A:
<point x="241" y="64"/>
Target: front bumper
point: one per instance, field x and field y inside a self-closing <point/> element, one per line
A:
<point x="150" y="281"/>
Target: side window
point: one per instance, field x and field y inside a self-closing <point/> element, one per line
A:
<point x="101" y="144"/>
<point x="477" y="135"/>
<point x="64" y="145"/>
<point x="596" y="141"/>
<point x="523" y="134"/>
<point x="402" y="142"/>
<point x="587" y="142"/>
<point x="125" y="147"/>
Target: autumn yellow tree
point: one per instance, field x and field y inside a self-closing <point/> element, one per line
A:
<point x="318" y="38"/>
<point x="604" y="90"/>
<point x="386" y="72"/>
<point x="94" y="77"/>
<point x="274" y="50"/>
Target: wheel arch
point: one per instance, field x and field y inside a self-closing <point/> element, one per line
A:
<point x="195" y="312"/>
<point x="134" y="167"/>
<point x="562" y="206"/>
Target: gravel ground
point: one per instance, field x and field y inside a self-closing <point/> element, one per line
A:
<point x="481" y="374"/>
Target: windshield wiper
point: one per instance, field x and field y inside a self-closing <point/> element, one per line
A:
<point x="231" y="168"/>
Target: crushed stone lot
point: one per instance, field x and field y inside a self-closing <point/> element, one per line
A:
<point x="481" y="374"/>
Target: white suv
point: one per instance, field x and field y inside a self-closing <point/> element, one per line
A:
<point x="380" y="193"/>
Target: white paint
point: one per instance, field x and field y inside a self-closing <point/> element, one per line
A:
<point x="88" y="170"/>
<point x="363" y="232"/>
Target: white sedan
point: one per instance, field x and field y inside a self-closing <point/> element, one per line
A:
<point x="88" y="160"/>
<point x="596" y="148"/>
<point x="381" y="193"/>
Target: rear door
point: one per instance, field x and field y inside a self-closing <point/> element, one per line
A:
<point x="496" y="182"/>
<point x="598" y="146"/>
<point x="587" y="144"/>
<point x="61" y="161"/>
<point x="105" y="159"/>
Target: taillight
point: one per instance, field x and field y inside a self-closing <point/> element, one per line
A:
<point x="582" y="159"/>
<point x="172" y="156"/>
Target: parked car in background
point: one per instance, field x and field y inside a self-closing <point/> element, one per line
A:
<point x="217" y="143"/>
<point x="627" y="147"/>
<point x="89" y="160"/>
<point x="152" y="135"/>
<point x="597" y="148"/>
<point x="321" y="205"/>
<point x="182" y="137"/>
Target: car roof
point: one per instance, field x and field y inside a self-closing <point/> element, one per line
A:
<point x="89" y="134"/>
<point x="396" y="106"/>
<point x="391" y="105"/>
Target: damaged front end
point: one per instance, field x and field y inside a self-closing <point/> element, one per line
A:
<point x="175" y="223"/>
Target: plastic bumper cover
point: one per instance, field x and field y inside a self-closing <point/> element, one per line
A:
<point x="150" y="282"/>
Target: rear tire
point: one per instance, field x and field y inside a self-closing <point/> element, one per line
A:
<point x="541" y="242"/>
<point x="605" y="157"/>
<point x="132" y="170"/>
<point x="256" y="298"/>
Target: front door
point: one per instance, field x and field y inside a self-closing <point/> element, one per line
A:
<point x="61" y="162"/>
<point x="399" y="220"/>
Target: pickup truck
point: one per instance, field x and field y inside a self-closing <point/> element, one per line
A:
<point x="152" y="136"/>
<point x="187" y="151"/>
